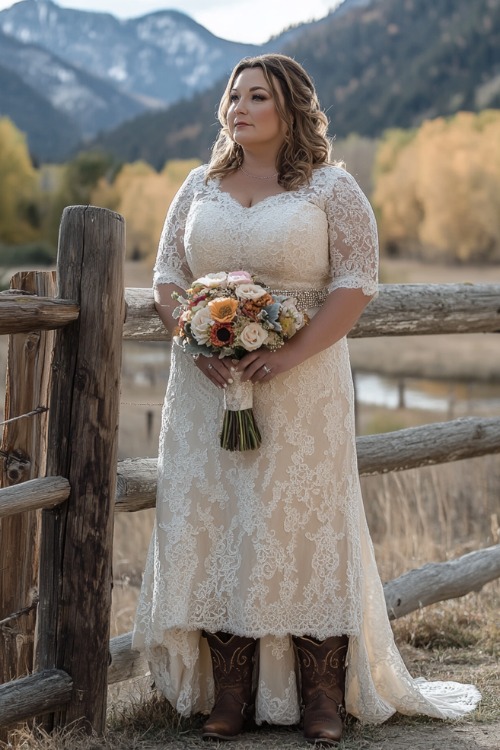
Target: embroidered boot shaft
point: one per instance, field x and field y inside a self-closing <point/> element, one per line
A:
<point x="232" y="664"/>
<point x="322" y="678"/>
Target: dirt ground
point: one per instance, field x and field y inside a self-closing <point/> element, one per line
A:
<point x="387" y="737"/>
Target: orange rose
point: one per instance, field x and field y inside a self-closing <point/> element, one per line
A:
<point x="251" y="310"/>
<point x="223" y="310"/>
<point x="264" y="301"/>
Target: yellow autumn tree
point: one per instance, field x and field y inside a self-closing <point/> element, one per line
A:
<point x="18" y="187"/>
<point x="437" y="196"/>
<point x="142" y="196"/>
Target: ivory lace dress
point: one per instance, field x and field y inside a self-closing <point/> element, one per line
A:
<point x="271" y="542"/>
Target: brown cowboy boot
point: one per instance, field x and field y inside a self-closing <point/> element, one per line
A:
<point x="322" y="675"/>
<point x="232" y="664"/>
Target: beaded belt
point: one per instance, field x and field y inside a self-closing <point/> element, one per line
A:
<point x="305" y="298"/>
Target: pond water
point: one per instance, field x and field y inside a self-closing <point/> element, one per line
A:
<point x="430" y="395"/>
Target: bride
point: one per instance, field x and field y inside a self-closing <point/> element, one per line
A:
<point x="261" y="594"/>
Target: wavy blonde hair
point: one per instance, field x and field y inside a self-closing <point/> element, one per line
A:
<point x="306" y="144"/>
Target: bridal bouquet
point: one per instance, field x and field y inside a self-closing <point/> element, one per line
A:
<point x="228" y="315"/>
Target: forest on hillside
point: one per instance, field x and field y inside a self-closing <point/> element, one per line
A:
<point x="393" y="64"/>
<point x="435" y="190"/>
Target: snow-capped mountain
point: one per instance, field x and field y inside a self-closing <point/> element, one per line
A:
<point x="158" y="58"/>
<point x="90" y="102"/>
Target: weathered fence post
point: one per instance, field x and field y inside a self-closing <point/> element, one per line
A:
<point x="76" y="543"/>
<point x="24" y="455"/>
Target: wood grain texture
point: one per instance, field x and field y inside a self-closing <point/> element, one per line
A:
<point x="399" y="310"/>
<point x="36" y="694"/>
<point x="46" y="492"/>
<point x="75" y="572"/>
<point x="436" y="582"/>
<point x="21" y="314"/>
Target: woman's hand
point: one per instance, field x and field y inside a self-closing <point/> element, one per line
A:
<point x="217" y="370"/>
<point x="262" y="365"/>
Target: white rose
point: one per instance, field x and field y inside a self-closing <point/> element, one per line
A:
<point x="249" y="291"/>
<point x="212" y="280"/>
<point x="200" y="325"/>
<point x="252" y="336"/>
<point x="289" y="308"/>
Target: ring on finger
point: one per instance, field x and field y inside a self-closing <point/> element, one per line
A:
<point x="266" y="369"/>
<point x="210" y="366"/>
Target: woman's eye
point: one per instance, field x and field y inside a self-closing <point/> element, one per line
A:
<point x="258" y="97"/>
<point x="233" y="97"/>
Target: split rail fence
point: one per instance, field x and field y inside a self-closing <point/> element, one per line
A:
<point x="61" y="482"/>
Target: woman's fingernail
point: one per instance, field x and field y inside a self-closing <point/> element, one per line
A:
<point x="225" y="385"/>
<point x="229" y="380"/>
<point x="233" y="369"/>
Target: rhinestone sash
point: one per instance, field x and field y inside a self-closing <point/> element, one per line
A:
<point x="305" y="298"/>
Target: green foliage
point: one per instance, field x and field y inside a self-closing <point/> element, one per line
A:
<point x="83" y="173"/>
<point x="31" y="254"/>
<point x="78" y="180"/>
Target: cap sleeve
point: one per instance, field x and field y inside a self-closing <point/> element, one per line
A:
<point x="171" y="266"/>
<point x="353" y="238"/>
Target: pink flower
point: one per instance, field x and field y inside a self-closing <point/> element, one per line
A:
<point x="239" y="277"/>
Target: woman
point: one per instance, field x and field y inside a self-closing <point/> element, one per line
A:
<point x="261" y="567"/>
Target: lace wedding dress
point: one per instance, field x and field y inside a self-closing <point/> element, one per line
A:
<point x="271" y="542"/>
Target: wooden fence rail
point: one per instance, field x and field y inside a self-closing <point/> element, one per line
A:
<point x="441" y="442"/>
<point x="34" y="494"/>
<point x="437" y="582"/>
<point x="399" y="310"/>
<point x="21" y="314"/>
<point x="34" y="695"/>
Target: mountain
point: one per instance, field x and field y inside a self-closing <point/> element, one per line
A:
<point x="394" y="63"/>
<point x="99" y="71"/>
<point x="50" y="131"/>
<point x="90" y="103"/>
<point x="159" y="58"/>
<point x="376" y="64"/>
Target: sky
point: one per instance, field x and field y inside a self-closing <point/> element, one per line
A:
<point x="249" y="21"/>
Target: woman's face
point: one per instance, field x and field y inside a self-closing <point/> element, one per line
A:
<point x="252" y="118"/>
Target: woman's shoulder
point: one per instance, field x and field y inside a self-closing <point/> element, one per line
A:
<point x="197" y="174"/>
<point x="331" y="179"/>
<point x="331" y="173"/>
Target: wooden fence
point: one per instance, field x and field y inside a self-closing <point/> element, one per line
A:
<point x="59" y="449"/>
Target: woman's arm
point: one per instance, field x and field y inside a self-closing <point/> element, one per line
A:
<point x="165" y="304"/>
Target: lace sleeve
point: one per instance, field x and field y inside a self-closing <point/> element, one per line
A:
<point x="171" y="266"/>
<point x="352" y="236"/>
